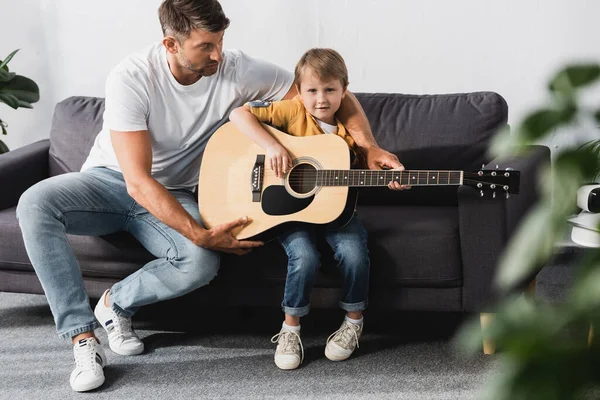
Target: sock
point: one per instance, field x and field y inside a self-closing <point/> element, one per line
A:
<point x="287" y="327"/>
<point x="355" y="321"/>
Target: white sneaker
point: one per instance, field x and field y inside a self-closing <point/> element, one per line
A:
<point x="89" y="361"/>
<point x="341" y="343"/>
<point x="290" y="352"/>
<point x="121" y="337"/>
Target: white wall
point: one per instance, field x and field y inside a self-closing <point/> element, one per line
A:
<point x="435" y="46"/>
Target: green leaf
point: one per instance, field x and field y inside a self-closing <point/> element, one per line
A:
<point x="3" y="147"/>
<point x="574" y="76"/>
<point x="3" y="126"/>
<point x="22" y="88"/>
<point x="575" y="166"/>
<point x="6" y="76"/>
<point x="597" y="116"/>
<point x="10" y="56"/>
<point x="540" y="123"/>
<point x="530" y="246"/>
<point x="10" y="100"/>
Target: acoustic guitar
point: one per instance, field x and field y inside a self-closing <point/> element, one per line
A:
<point x="235" y="181"/>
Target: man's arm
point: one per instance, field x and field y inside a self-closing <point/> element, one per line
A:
<point x="352" y="115"/>
<point x="134" y="154"/>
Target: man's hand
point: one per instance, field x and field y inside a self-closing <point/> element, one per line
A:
<point x="221" y="238"/>
<point x="377" y="158"/>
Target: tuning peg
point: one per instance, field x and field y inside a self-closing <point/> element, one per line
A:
<point x="509" y="169"/>
<point x="507" y="195"/>
<point x="479" y="185"/>
<point x="496" y="166"/>
<point x="506" y="174"/>
<point x="493" y="195"/>
<point x="482" y="166"/>
<point x="481" y="193"/>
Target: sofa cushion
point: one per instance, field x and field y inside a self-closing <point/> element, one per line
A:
<point x="76" y="122"/>
<point x="399" y="239"/>
<point x="413" y="245"/>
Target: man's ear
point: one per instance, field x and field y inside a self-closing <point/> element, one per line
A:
<point x="171" y="44"/>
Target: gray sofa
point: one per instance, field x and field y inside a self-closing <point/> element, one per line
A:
<point x="432" y="248"/>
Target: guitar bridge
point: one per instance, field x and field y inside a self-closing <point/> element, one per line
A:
<point x="256" y="177"/>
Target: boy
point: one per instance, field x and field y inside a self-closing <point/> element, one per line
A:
<point x="321" y="78"/>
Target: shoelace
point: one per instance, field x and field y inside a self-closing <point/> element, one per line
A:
<point x="289" y="340"/>
<point x="85" y="357"/>
<point x="122" y="326"/>
<point x="345" y="334"/>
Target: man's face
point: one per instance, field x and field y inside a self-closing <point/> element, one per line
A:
<point x="201" y="52"/>
<point x="321" y="98"/>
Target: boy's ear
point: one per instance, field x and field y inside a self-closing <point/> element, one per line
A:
<point x="345" y="91"/>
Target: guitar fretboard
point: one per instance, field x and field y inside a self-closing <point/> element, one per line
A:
<point x="360" y="177"/>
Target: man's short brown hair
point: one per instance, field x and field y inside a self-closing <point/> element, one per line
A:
<point x="328" y="64"/>
<point x="179" y="17"/>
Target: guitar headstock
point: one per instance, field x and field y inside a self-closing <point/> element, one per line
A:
<point x="495" y="181"/>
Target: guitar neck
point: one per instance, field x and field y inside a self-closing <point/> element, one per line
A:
<point x="372" y="178"/>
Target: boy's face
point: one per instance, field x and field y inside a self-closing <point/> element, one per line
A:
<point x="321" y="99"/>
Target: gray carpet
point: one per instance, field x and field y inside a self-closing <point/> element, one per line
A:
<point x="228" y="354"/>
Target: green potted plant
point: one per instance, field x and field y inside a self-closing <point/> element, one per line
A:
<point x="15" y="91"/>
<point x="545" y="355"/>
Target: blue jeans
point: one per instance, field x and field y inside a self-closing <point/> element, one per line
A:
<point x="96" y="202"/>
<point x="349" y="245"/>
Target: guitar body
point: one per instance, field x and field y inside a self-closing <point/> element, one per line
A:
<point x="235" y="182"/>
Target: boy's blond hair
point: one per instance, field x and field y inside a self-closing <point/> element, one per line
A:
<point x="328" y="64"/>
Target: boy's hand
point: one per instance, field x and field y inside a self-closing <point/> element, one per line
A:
<point x="279" y="159"/>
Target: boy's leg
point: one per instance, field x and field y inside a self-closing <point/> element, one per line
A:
<point x="303" y="263"/>
<point x="350" y="250"/>
<point x="300" y="245"/>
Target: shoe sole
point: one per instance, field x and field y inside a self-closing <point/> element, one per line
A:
<point x="286" y="367"/>
<point x="125" y="353"/>
<point x="335" y="357"/>
<point x="88" y="387"/>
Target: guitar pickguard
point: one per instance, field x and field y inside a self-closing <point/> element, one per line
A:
<point x="277" y="201"/>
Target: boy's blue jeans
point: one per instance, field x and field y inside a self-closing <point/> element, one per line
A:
<point x="96" y="202"/>
<point x="349" y="245"/>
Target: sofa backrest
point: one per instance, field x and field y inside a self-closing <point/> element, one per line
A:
<point x="444" y="132"/>
<point x="448" y="131"/>
<point x="76" y="122"/>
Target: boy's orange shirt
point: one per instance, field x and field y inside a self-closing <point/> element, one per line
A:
<point x="291" y="117"/>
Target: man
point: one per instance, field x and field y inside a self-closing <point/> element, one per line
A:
<point x="162" y="105"/>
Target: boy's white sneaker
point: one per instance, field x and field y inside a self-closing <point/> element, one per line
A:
<point x="290" y="352"/>
<point x="121" y="337"/>
<point x="89" y="361"/>
<point x="341" y="343"/>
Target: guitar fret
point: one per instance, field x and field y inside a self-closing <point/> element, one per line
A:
<point x="369" y="178"/>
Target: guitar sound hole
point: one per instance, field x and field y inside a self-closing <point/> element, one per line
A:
<point x="303" y="178"/>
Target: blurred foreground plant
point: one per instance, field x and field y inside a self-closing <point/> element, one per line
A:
<point x="543" y="355"/>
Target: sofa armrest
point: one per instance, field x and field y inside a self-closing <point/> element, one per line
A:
<point x="486" y="224"/>
<point x="20" y="169"/>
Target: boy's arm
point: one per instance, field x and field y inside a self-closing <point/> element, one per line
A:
<point x="277" y="156"/>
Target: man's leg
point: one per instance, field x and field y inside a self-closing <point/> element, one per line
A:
<point x="180" y="267"/>
<point x="91" y="203"/>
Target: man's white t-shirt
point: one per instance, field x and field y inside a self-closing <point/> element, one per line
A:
<point x="142" y="94"/>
